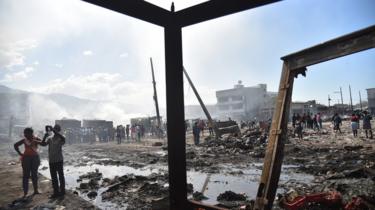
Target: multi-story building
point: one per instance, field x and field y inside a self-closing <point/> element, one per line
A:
<point x="308" y="107"/>
<point x="371" y="100"/>
<point x="240" y="102"/>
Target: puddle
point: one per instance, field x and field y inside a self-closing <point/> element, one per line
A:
<point x="245" y="181"/>
<point x="242" y="179"/>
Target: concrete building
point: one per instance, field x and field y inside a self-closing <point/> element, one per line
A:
<point x="308" y="107"/>
<point x="97" y="124"/>
<point x="68" y="123"/>
<point x="240" y="102"/>
<point x="371" y="100"/>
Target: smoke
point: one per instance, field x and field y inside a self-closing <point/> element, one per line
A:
<point x="45" y="109"/>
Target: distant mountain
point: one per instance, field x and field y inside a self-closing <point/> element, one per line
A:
<point x="5" y="89"/>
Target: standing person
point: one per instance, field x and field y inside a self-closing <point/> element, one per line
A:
<point x="30" y="160"/>
<point x="299" y="129"/>
<point x="336" y="119"/>
<point x="196" y="133"/>
<point x="210" y="128"/>
<point x="201" y="126"/>
<point x="55" y="158"/>
<point x="355" y="124"/>
<point x="127" y="132"/>
<point x="319" y="120"/>
<point x="367" y="124"/>
<point x="118" y="134"/>
<point x="294" y="119"/>
<point x="315" y="122"/>
<point x="138" y="131"/>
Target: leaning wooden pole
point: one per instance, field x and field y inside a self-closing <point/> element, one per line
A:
<point x="155" y="95"/>
<point x="202" y="104"/>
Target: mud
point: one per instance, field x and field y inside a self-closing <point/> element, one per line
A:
<point x="135" y="176"/>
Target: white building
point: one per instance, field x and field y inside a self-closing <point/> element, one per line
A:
<point x="240" y="102"/>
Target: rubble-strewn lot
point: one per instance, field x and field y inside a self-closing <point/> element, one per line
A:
<point x="135" y="176"/>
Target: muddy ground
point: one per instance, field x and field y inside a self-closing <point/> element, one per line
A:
<point x="224" y="172"/>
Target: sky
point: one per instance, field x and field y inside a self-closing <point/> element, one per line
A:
<point x="79" y="49"/>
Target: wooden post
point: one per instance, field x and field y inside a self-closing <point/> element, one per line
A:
<point x="276" y="140"/>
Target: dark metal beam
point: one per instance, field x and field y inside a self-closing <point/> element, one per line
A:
<point x="137" y="9"/>
<point x="351" y="43"/>
<point x="175" y="116"/>
<point x="216" y="8"/>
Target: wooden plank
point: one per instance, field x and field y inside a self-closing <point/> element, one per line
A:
<point x="137" y="9"/>
<point x="276" y="140"/>
<point x="351" y="43"/>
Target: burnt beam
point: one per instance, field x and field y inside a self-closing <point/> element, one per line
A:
<point x="135" y="8"/>
<point x="175" y="116"/>
<point x="216" y="8"/>
<point x="351" y="43"/>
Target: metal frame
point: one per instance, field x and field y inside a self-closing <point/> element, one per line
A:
<point x="173" y="22"/>
<point x="295" y="64"/>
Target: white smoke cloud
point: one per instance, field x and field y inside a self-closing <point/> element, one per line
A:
<point x="110" y="97"/>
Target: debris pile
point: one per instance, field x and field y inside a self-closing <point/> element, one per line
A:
<point x="252" y="142"/>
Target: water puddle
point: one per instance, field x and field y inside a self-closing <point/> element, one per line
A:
<point x="237" y="179"/>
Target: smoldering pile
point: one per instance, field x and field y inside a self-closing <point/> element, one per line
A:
<point x="252" y="142"/>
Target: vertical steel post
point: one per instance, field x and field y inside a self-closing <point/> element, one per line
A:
<point x="175" y="115"/>
<point x="276" y="140"/>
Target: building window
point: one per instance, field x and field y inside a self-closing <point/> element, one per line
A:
<point x="223" y="99"/>
<point x="237" y="98"/>
<point x="223" y="107"/>
<point x="237" y="106"/>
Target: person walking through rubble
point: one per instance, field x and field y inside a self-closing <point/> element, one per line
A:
<point x="55" y="158"/>
<point x="367" y="124"/>
<point x="355" y="124"/>
<point x="30" y="160"/>
<point x="196" y="133"/>
<point x="336" y="119"/>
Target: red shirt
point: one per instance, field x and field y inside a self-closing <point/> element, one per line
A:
<point x="31" y="147"/>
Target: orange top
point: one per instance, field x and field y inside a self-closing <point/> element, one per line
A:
<point x="31" y="147"/>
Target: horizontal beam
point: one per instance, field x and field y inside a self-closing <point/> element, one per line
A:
<point x="137" y="9"/>
<point x="351" y="43"/>
<point x="216" y="8"/>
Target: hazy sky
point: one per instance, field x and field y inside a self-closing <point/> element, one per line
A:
<point x="73" y="47"/>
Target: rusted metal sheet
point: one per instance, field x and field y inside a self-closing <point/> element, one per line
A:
<point x="351" y="43"/>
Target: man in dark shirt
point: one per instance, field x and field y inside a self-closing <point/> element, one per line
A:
<point x="55" y="158"/>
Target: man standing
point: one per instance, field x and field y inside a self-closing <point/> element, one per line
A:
<point x="55" y="158"/>
<point x="127" y="132"/>
<point x="196" y="133"/>
<point x="367" y="124"/>
<point x="336" y="119"/>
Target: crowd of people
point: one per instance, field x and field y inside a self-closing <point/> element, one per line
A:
<point x="308" y="121"/>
